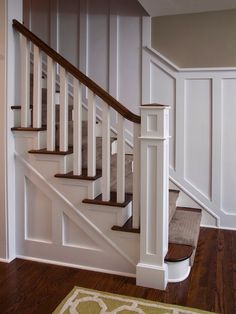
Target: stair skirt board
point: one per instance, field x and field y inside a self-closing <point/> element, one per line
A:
<point x="98" y="251"/>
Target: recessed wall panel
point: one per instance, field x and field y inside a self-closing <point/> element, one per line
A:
<point x="75" y="237"/>
<point x="198" y="134"/>
<point x="129" y="54"/>
<point x="98" y="41"/>
<point x="68" y="30"/>
<point x="38" y="214"/>
<point x="40" y="19"/>
<point x="229" y="145"/>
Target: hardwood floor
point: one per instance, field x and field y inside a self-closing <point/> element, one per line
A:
<point x="29" y="287"/>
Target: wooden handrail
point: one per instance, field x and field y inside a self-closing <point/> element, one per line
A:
<point x="107" y="98"/>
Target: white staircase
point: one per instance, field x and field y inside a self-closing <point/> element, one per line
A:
<point x="81" y="200"/>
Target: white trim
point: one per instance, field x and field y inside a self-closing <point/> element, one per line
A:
<point x="219" y="228"/>
<point x="99" y="270"/>
<point x="163" y="59"/>
<point x="207" y="209"/>
<point x="178" y="69"/>
<point x="5" y="260"/>
<point x="151" y="138"/>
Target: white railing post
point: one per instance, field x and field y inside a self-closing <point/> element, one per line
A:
<point x="136" y="177"/>
<point x="106" y="153"/>
<point x="120" y="160"/>
<point x="152" y="271"/>
<point x="51" y="112"/>
<point x="91" y="134"/>
<point x="37" y="88"/>
<point x="77" y="128"/>
<point x="25" y="82"/>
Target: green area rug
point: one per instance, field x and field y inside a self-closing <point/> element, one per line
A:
<point x="86" y="301"/>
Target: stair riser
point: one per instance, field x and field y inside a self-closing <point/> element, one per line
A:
<point x="104" y="215"/>
<point x="178" y="271"/>
<point x="25" y="141"/>
<point x="48" y="165"/>
<point x="77" y="190"/>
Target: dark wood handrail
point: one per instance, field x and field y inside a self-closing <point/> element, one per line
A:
<point x="107" y="98"/>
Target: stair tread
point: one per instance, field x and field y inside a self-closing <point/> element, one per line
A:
<point x="83" y="176"/>
<point x="28" y="129"/>
<point x="184" y="223"/>
<point x="18" y="107"/>
<point x="127" y="227"/>
<point x="98" y="200"/>
<point x="184" y="227"/>
<point x="178" y="252"/>
<point x="49" y="152"/>
<point x="189" y="209"/>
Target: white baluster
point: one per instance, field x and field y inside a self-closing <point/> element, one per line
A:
<point x="106" y="153"/>
<point x="77" y="128"/>
<point x="51" y="71"/>
<point x="37" y="88"/>
<point x="91" y="134"/>
<point x="136" y="176"/>
<point x="63" y="110"/>
<point x="120" y="160"/>
<point x="25" y="82"/>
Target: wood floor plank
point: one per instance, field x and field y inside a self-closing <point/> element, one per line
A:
<point x="35" y="288"/>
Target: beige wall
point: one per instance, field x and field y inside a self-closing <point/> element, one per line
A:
<point x="197" y="40"/>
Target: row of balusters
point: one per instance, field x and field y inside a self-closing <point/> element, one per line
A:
<point x="51" y="66"/>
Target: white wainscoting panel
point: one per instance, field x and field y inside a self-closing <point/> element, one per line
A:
<point x="75" y="237"/>
<point x="203" y="127"/>
<point x="38" y="214"/>
<point x="229" y="146"/>
<point x="198" y="134"/>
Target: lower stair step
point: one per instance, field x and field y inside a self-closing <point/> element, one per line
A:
<point x="83" y="176"/>
<point x="178" y="252"/>
<point x="127" y="227"/>
<point x="51" y="152"/>
<point x="113" y="200"/>
<point x="29" y="129"/>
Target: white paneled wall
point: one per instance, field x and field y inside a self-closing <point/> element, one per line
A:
<point x="103" y="38"/>
<point x="202" y="130"/>
<point x="198" y="139"/>
<point x="228" y="145"/>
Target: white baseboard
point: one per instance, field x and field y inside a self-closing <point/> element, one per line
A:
<point x="5" y="260"/>
<point x="100" y="270"/>
<point x="219" y="228"/>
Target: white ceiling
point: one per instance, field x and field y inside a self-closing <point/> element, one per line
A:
<point x="172" y="7"/>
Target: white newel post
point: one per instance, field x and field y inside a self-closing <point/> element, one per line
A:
<point x="151" y="270"/>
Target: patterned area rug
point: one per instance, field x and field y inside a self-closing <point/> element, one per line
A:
<point x="85" y="301"/>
